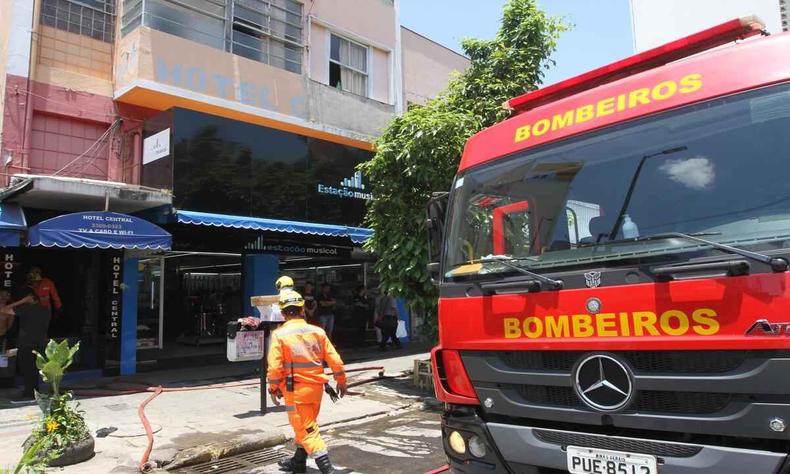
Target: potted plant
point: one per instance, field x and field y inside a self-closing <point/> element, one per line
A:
<point x="62" y="435"/>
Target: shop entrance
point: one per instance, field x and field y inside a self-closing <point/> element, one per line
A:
<point x="80" y="279"/>
<point x="184" y="301"/>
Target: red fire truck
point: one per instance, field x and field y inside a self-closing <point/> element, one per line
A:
<point x="614" y="294"/>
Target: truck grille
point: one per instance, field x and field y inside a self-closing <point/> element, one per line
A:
<point x="696" y="403"/>
<point x="565" y="438"/>
<point x="678" y="362"/>
<point x="728" y="393"/>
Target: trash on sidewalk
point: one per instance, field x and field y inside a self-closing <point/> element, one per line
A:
<point x="104" y="432"/>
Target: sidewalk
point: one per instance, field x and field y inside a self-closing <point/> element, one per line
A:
<point x="184" y="420"/>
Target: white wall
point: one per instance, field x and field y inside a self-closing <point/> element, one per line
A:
<point x="427" y="66"/>
<point x="655" y="22"/>
<point x="19" y="37"/>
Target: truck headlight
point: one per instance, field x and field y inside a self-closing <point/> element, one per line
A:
<point x="456" y="442"/>
<point x="477" y="447"/>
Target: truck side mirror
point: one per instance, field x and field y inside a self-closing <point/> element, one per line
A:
<point x="436" y="211"/>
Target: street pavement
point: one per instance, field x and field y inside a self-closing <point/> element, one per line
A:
<point x="407" y="443"/>
<point x="214" y="419"/>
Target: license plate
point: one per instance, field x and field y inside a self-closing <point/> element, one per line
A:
<point x="603" y="461"/>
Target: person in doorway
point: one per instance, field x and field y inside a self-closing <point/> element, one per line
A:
<point x="309" y="302"/>
<point x="296" y="373"/>
<point x="6" y="319"/>
<point x="45" y="289"/>
<point x="34" y="320"/>
<point x="326" y="309"/>
<point x="361" y="313"/>
<point x="387" y="321"/>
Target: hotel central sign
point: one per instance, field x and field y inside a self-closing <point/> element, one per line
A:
<point x="150" y="56"/>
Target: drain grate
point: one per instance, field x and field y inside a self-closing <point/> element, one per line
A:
<point x="236" y="464"/>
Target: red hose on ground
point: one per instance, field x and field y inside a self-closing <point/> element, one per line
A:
<point x="127" y="390"/>
<point x="148" y="431"/>
<point x="444" y="468"/>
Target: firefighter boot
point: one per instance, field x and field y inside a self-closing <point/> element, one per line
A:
<point x="324" y="464"/>
<point x="296" y="464"/>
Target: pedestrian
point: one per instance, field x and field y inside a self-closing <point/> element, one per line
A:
<point x="387" y="321"/>
<point x="326" y="309"/>
<point x="296" y="373"/>
<point x="6" y="320"/>
<point x="309" y="302"/>
<point x="361" y="313"/>
<point x="46" y="291"/>
<point x="34" y="320"/>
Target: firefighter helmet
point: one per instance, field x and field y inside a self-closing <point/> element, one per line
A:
<point x="291" y="298"/>
<point x="284" y="282"/>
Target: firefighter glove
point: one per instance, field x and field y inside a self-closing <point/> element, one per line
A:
<point x="342" y="389"/>
<point x="276" y="395"/>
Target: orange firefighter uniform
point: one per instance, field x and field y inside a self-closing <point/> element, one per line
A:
<point x="299" y="350"/>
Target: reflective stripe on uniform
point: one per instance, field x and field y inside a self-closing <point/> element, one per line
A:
<point x="297" y="330"/>
<point x="275" y="381"/>
<point x="303" y="365"/>
<point x="319" y="453"/>
<point x="305" y="349"/>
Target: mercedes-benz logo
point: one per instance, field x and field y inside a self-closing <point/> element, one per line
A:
<point x="603" y="383"/>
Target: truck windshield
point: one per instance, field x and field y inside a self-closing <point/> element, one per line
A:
<point x="719" y="169"/>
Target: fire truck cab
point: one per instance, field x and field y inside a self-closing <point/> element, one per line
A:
<point x="612" y="263"/>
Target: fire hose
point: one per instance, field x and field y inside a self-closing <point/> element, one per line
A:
<point x="144" y="465"/>
<point x="438" y="470"/>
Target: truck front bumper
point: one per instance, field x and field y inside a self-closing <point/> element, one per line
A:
<point x="533" y="450"/>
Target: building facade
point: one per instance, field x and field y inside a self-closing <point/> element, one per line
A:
<point x="234" y="126"/>
<point x="656" y="22"/>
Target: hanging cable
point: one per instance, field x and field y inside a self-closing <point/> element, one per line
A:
<point x="97" y="142"/>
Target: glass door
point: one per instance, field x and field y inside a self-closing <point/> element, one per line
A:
<point x="149" y="308"/>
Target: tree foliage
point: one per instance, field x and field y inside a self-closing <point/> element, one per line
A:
<point x="419" y="151"/>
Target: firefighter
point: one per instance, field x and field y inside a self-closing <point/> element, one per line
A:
<point x="296" y="373"/>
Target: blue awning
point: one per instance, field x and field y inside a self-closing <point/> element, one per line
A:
<point x="102" y="230"/>
<point x="357" y="235"/>
<point x="12" y="224"/>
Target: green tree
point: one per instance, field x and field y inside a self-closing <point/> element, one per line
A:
<point x="419" y="151"/>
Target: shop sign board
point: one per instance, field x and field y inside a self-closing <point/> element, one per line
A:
<point x="301" y="248"/>
<point x="94" y="229"/>
<point x="247" y="345"/>
<point x="116" y="277"/>
<point x="156" y="146"/>
<point x="10" y="267"/>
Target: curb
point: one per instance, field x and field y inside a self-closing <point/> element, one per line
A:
<point x="234" y="447"/>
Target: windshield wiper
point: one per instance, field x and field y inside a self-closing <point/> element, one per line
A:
<point x="632" y="185"/>
<point x="550" y="283"/>
<point x="777" y="264"/>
